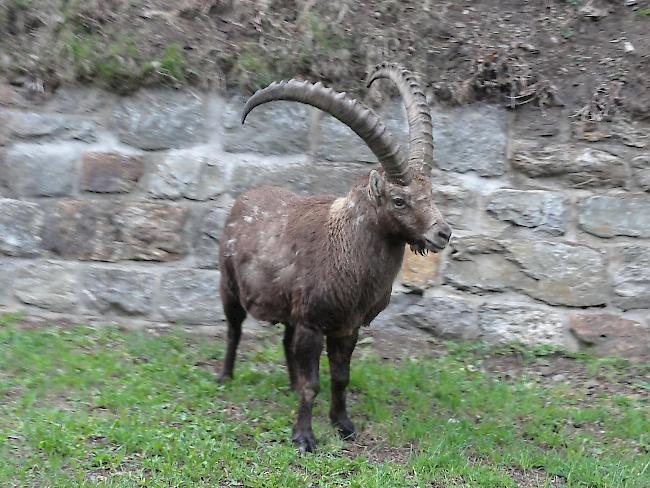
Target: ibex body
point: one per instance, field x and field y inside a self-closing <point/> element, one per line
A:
<point x="324" y="266"/>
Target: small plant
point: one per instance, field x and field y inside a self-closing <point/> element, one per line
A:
<point x="10" y="319"/>
<point x="172" y="64"/>
<point x="83" y="52"/>
<point x="253" y="67"/>
<point x="21" y="4"/>
<point x="115" y="64"/>
<point x="324" y="37"/>
<point x="306" y="59"/>
<point x="645" y="12"/>
<point x="568" y="34"/>
<point x="250" y="60"/>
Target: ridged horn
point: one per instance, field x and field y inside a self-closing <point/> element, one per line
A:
<point x="417" y="111"/>
<point x="349" y="111"/>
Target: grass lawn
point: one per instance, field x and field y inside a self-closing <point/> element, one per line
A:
<point x="103" y="407"/>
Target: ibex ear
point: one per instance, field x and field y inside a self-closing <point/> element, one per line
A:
<point x="376" y="186"/>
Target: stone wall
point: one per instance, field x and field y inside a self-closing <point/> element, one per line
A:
<point x="111" y="209"/>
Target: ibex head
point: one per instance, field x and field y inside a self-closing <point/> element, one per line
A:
<point x="402" y="192"/>
<point x="407" y="198"/>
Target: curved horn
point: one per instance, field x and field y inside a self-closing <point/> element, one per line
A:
<point x="349" y="111"/>
<point x="417" y="111"/>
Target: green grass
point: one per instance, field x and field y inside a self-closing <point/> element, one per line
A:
<point x="22" y="4"/>
<point x="118" y="64"/>
<point x="324" y="35"/>
<point x="254" y="67"/>
<point x="100" y="407"/>
<point x="91" y="59"/>
<point x="172" y="64"/>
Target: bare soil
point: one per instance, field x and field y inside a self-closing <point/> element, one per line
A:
<point x="515" y="52"/>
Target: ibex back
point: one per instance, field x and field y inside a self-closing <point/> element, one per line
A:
<point x="324" y="266"/>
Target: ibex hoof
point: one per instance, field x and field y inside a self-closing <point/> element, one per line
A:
<point x="346" y="430"/>
<point x="304" y="441"/>
<point x="224" y="378"/>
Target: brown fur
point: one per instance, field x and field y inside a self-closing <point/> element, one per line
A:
<point x="322" y="266"/>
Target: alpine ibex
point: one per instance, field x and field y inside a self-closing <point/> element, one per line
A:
<point x="324" y="266"/>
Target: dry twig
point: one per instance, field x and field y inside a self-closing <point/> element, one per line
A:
<point x="603" y="104"/>
<point x="506" y="72"/>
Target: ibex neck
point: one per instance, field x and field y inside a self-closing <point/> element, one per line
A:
<point x="354" y="228"/>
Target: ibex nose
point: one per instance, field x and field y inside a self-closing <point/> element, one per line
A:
<point x="444" y="232"/>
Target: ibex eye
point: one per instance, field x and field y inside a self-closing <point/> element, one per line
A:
<point x="398" y="202"/>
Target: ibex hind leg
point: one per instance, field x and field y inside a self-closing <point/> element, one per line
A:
<point x="235" y="316"/>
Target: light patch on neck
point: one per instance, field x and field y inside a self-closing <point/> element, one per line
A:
<point x="337" y="206"/>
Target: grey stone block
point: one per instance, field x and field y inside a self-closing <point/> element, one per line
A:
<point x="110" y="172"/>
<point x="621" y="215"/>
<point x="191" y="297"/>
<point x="553" y="272"/>
<point x="455" y="203"/>
<point x="208" y="237"/>
<point x="579" y="168"/>
<point x="629" y="273"/>
<point x="275" y="128"/>
<point x="20" y="228"/>
<point x="48" y="285"/>
<point x="641" y="171"/>
<point x="308" y="178"/>
<point x="559" y="273"/>
<point x="29" y="125"/>
<point x="84" y="230"/>
<point x="612" y="335"/>
<point x="540" y="210"/>
<point x="450" y="318"/>
<point x="392" y="315"/>
<point x="479" y="265"/>
<point x="5" y="137"/>
<point x="108" y="231"/>
<point x="174" y="176"/>
<point x="32" y="170"/>
<point x="528" y="325"/>
<point x="154" y="232"/>
<point x="116" y="290"/>
<point x="337" y="142"/>
<point x="471" y="138"/>
<point x="160" y="119"/>
<point x="184" y="174"/>
<point x="82" y="100"/>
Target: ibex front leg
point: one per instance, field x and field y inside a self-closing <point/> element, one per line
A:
<point x="307" y="347"/>
<point x="339" y="351"/>
<point x="287" y="341"/>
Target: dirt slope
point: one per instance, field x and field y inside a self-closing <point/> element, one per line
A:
<point x="537" y="52"/>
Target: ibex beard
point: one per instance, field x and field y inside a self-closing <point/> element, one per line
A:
<point x="324" y="266"/>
